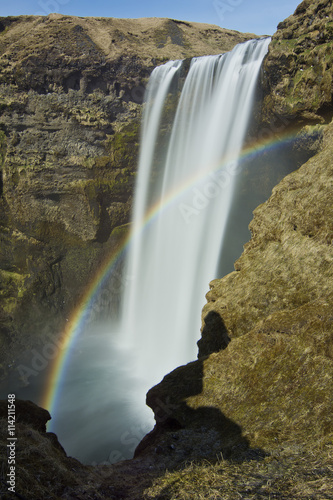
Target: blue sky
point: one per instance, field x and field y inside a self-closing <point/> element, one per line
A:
<point x="255" y="16"/>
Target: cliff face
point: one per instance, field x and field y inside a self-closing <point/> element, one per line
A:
<point x="71" y="91"/>
<point x="263" y="379"/>
<point x="298" y="68"/>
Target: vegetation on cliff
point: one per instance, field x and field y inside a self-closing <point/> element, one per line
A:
<point x="298" y="68"/>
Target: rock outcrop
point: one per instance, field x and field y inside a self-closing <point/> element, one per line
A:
<point x="274" y="378"/>
<point x="41" y="468"/>
<point x="298" y="69"/>
<point x="71" y="92"/>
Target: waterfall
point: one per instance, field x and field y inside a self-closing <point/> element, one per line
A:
<point x="192" y="134"/>
<point x="182" y="200"/>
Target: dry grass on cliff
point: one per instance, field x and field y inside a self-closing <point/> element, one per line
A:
<point x="284" y="476"/>
<point x="162" y="39"/>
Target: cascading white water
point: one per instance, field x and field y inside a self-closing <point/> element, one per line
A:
<point x="181" y="208"/>
<point x="185" y="186"/>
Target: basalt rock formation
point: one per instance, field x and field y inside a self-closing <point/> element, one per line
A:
<point x="71" y="92"/>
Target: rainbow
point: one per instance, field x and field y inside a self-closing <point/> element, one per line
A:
<point x="81" y="313"/>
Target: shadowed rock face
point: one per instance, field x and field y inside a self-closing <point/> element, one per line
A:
<point x="28" y="413"/>
<point x="71" y="91"/>
<point x="214" y="335"/>
<point x="42" y="468"/>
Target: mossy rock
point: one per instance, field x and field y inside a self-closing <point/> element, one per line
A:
<point x="298" y="66"/>
<point x="124" y="145"/>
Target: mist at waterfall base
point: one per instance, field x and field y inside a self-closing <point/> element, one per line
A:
<point x="191" y="212"/>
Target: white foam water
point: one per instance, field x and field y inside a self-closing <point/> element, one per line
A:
<point x="181" y="207"/>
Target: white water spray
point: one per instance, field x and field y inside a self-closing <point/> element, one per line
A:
<point x="181" y="208"/>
